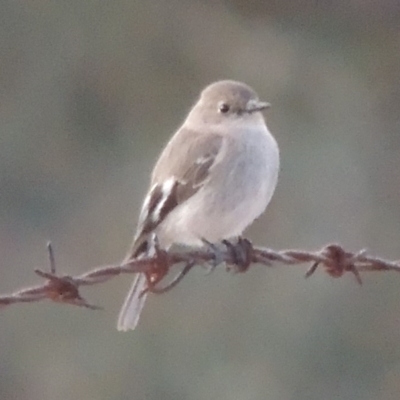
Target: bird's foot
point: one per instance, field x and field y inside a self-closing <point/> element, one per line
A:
<point x="218" y="256"/>
<point x="241" y="253"/>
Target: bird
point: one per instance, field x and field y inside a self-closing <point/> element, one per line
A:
<point x="214" y="177"/>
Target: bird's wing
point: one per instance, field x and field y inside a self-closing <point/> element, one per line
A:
<point x="181" y="170"/>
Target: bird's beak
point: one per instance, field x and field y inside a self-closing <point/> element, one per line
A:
<point x="256" y="105"/>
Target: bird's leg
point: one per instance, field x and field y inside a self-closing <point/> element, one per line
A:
<point x="241" y="253"/>
<point x="217" y="253"/>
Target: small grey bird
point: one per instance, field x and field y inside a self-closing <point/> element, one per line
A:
<point x="215" y="176"/>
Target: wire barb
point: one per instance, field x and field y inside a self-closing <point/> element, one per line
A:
<point x="52" y="260"/>
<point x="335" y="260"/>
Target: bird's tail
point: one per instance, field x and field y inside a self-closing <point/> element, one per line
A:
<point x="134" y="302"/>
<point x="130" y="312"/>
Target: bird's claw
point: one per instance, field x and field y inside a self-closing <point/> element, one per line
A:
<point x="218" y="256"/>
<point x="241" y="253"/>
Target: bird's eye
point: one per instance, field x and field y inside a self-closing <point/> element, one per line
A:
<point x="223" y="108"/>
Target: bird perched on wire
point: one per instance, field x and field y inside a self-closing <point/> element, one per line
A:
<point x="214" y="177"/>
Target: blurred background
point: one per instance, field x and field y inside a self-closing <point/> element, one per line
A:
<point x="90" y="91"/>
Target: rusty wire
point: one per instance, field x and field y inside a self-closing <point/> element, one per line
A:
<point x="335" y="260"/>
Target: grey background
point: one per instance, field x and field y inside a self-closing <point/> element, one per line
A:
<point x="89" y="93"/>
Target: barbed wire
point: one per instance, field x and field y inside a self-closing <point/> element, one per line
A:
<point x="335" y="260"/>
